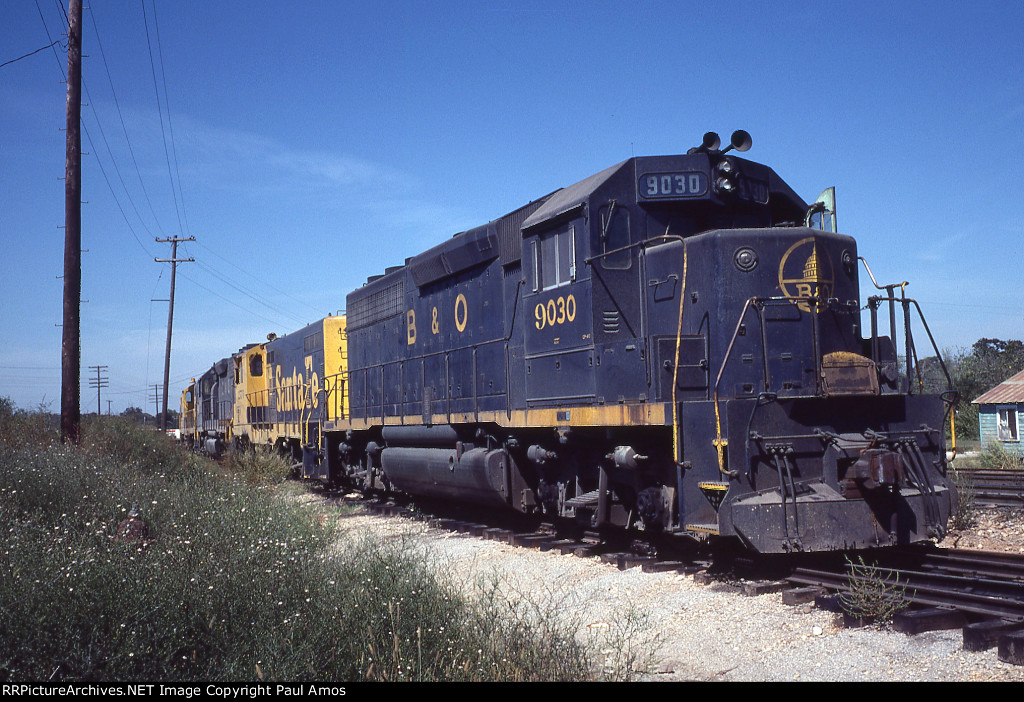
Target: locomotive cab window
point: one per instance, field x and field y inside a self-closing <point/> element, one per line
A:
<point x="255" y="365"/>
<point x="554" y="258"/>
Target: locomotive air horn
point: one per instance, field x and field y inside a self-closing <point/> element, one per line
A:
<point x="711" y="142"/>
<point x="741" y="141"/>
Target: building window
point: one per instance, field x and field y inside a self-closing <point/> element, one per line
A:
<point x="1006" y="423"/>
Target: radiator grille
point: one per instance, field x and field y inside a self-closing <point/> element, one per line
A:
<point x="376" y="306"/>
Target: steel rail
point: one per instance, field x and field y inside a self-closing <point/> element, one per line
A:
<point x="979" y="582"/>
<point x="916" y="591"/>
<point x="1002" y="488"/>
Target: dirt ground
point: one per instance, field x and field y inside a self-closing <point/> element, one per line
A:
<point x="996" y="529"/>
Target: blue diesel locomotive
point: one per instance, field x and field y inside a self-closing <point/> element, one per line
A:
<point x="669" y="345"/>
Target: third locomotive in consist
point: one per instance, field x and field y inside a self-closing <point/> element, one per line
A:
<point x="669" y="345"/>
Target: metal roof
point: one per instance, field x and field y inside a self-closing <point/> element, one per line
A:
<point x="1009" y="391"/>
<point x="567" y="199"/>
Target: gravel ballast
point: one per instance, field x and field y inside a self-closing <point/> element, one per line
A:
<point x="706" y="632"/>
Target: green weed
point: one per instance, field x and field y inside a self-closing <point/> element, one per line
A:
<point x="128" y="559"/>
<point x="871" y="596"/>
<point x="995" y="456"/>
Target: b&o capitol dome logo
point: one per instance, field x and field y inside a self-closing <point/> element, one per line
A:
<point x="807" y="272"/>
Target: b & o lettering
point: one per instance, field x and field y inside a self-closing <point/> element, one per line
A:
<point x="461" y="318"/>
<point x="410" y="327"/>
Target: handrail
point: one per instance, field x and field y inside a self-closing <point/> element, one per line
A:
<point x="902" y="286"/>
<point x="718" y="381"/>
<point x="307" y="403"/>
<point x="758" y="303"/>
<point x="907" y="302"/>
<point x="949" y="398"/>
<point x="675" y="367"/>
<point x="332" y="383"/>
<point x="654" y="240"/>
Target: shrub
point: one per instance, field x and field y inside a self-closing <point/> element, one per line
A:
<point x="965" y="515"/>
<point x="124" y="441"/>
<point x="261" y="465"/>
<point x="23" y="428"/>
<point x="996" y="456"/>
<point x="870" y="595"/>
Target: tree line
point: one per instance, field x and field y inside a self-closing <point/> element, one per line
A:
<point x="973" y="372"/>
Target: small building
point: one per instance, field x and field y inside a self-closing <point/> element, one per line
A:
<point x="999" y="412"/>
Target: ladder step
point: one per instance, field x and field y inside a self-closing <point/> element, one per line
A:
<point x="713" y="485"/>
<point x="703" y="528"/>
<point x="584" y="500"/>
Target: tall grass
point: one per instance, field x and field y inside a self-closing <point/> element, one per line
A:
<point x="965" y="515"/>
<point x="227" y="582"/>
<point x="261" y="465"/>
<point x="995" y="456"/>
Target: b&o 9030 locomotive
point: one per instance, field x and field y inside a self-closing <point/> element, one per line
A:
<point x="672" y="345"/>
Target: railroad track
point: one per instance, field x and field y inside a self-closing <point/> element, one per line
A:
<point x="979" y="583"/>
<point x="981" y="592"/>
<point x="997" y="488"/>
<point x="546" y="536"/>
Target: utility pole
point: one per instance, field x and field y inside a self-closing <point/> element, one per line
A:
<point x="108" y="407"/>
<point x="156" y="399"/>
<point x="71" y="351"/>
<point x="174" y="261"/>
<point x="99" y="382"/>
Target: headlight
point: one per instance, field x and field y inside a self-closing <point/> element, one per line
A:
<point x="745" y="259"/>
<point x="726" y="174"/>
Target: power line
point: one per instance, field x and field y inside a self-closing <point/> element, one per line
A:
<point x="262" y="281"/>
<point x="219" y="272"/>
<point x="231" y="302"/>
<point x="160" y="112"/>
<point x="88" y="135"/>
<point x="7" y="63"/>
<point x="170" y="123"/>
<point x="124" y="129"/>
<point x="251" y="294"/>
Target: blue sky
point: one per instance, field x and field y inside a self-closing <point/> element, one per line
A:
<point x="308" y="145"/>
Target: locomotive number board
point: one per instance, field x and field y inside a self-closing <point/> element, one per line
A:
<point x="693" y="184"/>
<point x="655" y="186"/>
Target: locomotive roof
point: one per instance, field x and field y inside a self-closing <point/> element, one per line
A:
<point x="567" y="199"/>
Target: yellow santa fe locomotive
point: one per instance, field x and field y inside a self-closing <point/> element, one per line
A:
<point x="673" y="345"/>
